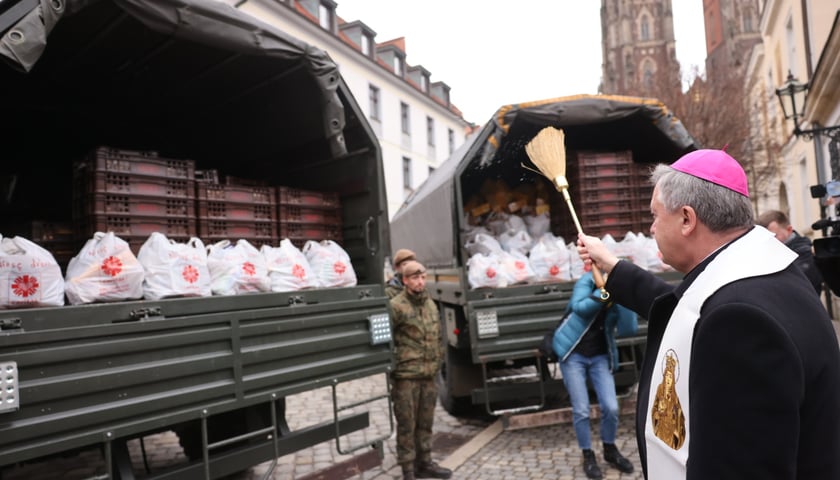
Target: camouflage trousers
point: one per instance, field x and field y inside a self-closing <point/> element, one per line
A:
<point x="414" y="409"/>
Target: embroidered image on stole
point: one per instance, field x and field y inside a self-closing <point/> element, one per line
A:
<point x="667" y="414"/>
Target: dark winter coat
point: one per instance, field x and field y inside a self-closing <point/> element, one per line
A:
<point x="416" y="332"/>
<point x="802" y="246"/>
<point x="764" y="381"/>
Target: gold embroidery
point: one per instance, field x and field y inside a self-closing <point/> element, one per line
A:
<point x="667" y="414"/>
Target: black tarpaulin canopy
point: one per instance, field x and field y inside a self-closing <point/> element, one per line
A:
<point x="428" y="222"/>
<point x="193" y="73"/>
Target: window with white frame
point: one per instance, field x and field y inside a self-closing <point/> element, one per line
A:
<point x="325" y="16"/>
<point x="406" y="165"/>
<point x="450" y="136"/>
<point x="405" y="118"/>
<point x="430" y="131"/>
<point x="367" y="45"/>
<point x="398" y="66"/>
<point x="375" y="104"/>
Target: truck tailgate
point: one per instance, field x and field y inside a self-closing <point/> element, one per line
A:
<point x="92" y="373"/>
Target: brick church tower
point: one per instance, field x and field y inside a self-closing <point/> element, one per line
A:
<point x="732" y="29"/>
<point x="638" y="47"/>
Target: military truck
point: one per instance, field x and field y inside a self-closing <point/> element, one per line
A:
<point x="492" y="361"/>
<point x="188" y="79"/>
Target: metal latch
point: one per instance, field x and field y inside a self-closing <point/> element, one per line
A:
<point x="145" y="314"/>
<point x="13" y="323"/>
<point x="296" y="300"/>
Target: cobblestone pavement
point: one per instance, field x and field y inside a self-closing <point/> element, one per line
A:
<point x="548" y="452"/>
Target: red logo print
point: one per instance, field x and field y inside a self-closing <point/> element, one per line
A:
<point x="249" y="268"/>
<point x="190" y="274"/>
<point x="490" y="272"/>
<point x="111" y="266"/>
<point x="554" y="270"/>
<point x="339" y="267"/>
<point x="519" y="265"/>
<point x="298" y="271"/>
<point x="25" y="286"/>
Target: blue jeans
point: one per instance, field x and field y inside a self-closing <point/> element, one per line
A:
<point x="575" y="370"/>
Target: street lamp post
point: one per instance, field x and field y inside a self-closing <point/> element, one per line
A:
<point x="792" y="97"/>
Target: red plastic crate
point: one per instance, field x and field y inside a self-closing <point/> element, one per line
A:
<point x="308" y="198"/>
<point x="213" y="230"/>
<point x="116" y="204"/>
<point x="602" y="170"/>
<point x="303" y="232"/>
<point x="585" y="158"/>
<point x="303" y="214"/>
<point x="601" y="182"/>
<point x="119" y="183"/>
<point x="603" y="194"/>
<point x="605" y="207"/>
<point x="235" y="193"/>
<point x="137" y="226"/>
<point x="139" y="163"/>
<point x="607" y="219"/>
<point x="222" y="210"/>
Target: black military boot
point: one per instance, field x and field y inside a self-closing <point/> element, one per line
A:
<point x="431" y="470"/>
<point x="614" y="458"/>
<point x="590" y="465"/>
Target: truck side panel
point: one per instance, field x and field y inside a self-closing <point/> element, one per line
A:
<point x="81" y="385"/>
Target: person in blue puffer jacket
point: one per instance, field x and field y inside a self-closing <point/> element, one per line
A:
<point x="586" y="348"/>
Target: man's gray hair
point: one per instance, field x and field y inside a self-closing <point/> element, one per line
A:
<point x="717" y="207"/>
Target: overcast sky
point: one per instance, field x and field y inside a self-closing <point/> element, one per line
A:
<point x="496" y="52"/>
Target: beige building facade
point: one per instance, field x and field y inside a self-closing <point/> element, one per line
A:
<point x="796" y="36"/>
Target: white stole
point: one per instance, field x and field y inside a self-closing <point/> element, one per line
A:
<point x="756" y="253"/>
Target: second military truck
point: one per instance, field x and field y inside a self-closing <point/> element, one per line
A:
<point x="492" y="333"/>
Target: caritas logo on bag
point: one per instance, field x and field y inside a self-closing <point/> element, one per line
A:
<point x="29" y="275"/>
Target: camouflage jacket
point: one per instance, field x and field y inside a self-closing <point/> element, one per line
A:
<point x="416" y="332"/>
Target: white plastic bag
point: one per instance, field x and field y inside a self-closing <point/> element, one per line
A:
<point x="576" y="267"/>
<point x="288" y="268"/>
<point x="538" y="224"/>
<point x="516" y="268"/>
<point x="483" y="243"/>
<point x="174" y="269"/>
<point x="105" y="270"/>
<point x="236" y="268"/>
<point x="516" y="241"/>
<point x="29" y="275"/>
<point x="330" y="263"/>
<point x="485" y="271"/>
<point x="550" y="260"/>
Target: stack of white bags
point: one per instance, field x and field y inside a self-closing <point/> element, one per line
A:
<point x="518" y="251"/>
<point x="106" y="270"/>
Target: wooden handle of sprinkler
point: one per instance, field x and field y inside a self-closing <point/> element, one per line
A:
<point x="596" y="272"/>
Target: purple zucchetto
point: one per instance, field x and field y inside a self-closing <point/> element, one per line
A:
<point x="715" y="166"/>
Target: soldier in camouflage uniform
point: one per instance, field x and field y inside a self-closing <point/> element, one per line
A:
<point x="419" y="351"/>
<point x="395" y="284"/>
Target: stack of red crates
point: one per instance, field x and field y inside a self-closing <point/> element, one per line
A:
<point x="134" y="194"/>
<point x="308" y="215"/>
<point x="608" y="194"/>
<point x="234" y="211"/>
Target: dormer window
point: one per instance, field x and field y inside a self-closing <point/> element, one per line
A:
<point x="367" y="45"/>
<point x="398" y="65"/>
<point x="424" y="83"/>
<point x="326" y="14"/>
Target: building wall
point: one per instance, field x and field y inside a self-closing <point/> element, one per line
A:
<point x="360" y="72"/>
<point x="793" y="41"/>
